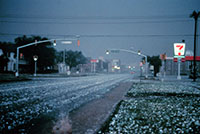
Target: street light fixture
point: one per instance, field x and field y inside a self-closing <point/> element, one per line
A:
<point x="54" y="43"/>
<point x="139" y="53"/>
<point x="107" y="52"/>
<point x="66" y="42"/>
<point x="35" y="57"/>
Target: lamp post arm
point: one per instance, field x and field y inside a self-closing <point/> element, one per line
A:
<point x="43" y="41"/>
<point x="33" y="43"/>
<point x="124" y="50"/>
<point x="130" y="51"/>
<point x="143" y="55"/>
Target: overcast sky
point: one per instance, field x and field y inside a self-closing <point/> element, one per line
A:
<point x="151" y="26"/>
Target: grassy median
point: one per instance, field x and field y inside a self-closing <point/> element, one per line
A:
<point x="148" y="110"/>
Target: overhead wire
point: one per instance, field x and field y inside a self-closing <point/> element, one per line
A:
<point x="122" y="22"/>
<point x="22" y="19"/>
<point x="17" y="16"/>
<point x="102" y="35"/>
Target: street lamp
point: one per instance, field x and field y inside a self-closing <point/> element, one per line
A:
<point x="66" y="42"/>
<point x="54" y="43"/>
<point x="139" y="53"/>
<point x="35" y="57"/>
<point x="107" y="52"/>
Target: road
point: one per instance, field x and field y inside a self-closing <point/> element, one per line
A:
<point x="25" y="105"/>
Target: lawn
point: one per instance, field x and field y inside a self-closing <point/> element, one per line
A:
<point x="157" y="108"/>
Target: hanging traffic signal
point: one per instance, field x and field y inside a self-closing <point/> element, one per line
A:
<point x="78" y="43"/>
<point x="21" y="56"/>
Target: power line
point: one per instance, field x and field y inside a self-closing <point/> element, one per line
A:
<point x="17" y="16"/>
<point x="101" y="35"/>
<point x="124" y="22"/>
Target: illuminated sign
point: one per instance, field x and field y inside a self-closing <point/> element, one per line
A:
<point x="94" y="60"/>
<point x="179" y="50"/>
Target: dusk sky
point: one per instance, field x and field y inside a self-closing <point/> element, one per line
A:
<point x="151" y="26"/>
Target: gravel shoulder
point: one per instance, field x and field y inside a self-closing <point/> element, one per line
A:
<point x="88" y="118"/>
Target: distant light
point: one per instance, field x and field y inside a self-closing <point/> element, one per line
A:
<point x="139" y="53"/>
<point x="54" y="43"/>
<point x="107" y="52"/>
<point x="35" y="57"/>
<point x="116" y="67"/>
<point x="66" y="42"/>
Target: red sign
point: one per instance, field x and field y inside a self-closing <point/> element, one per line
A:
<point x="188" y="58"/>
<point x="94" y="60"/>
<point x="182" y="59"/>
<point x="179" y="50"/>
<point x="191" y="58"/>
<point x="163" y="56"/>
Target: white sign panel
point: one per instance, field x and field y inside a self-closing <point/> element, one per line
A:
<point x="179" y="50"/>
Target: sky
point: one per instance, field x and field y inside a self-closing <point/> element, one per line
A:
<point x="151" y="26"/>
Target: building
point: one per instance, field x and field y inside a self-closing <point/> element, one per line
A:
<point x="171" y="65"/>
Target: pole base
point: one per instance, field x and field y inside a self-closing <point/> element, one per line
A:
<point x="16" y="74"/>
<point x="34" y="75"/>
<point x="178" y="77"/>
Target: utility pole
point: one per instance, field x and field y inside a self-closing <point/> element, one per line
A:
<point x="195" y="15"/>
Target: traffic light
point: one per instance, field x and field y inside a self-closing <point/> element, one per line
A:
<point x="78" y="42"/>
<point x="21" y="56"/>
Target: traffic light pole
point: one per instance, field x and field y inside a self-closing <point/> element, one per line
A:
<point x="195" y="15"/>
<point x="17" y="64"/>
<point x="35" y="74"/>
<point x="195" y="33"/>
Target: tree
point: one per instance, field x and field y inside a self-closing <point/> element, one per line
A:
<point x="3" y="62"/>
<point x="156" y="62"/>
<point x="6" y="47"/>
<point x="74" y="58"/>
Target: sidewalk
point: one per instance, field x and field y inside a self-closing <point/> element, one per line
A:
<point x="4" y="78"/>
<point x="11" y="78"/>
<point x="89" y="118"/>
